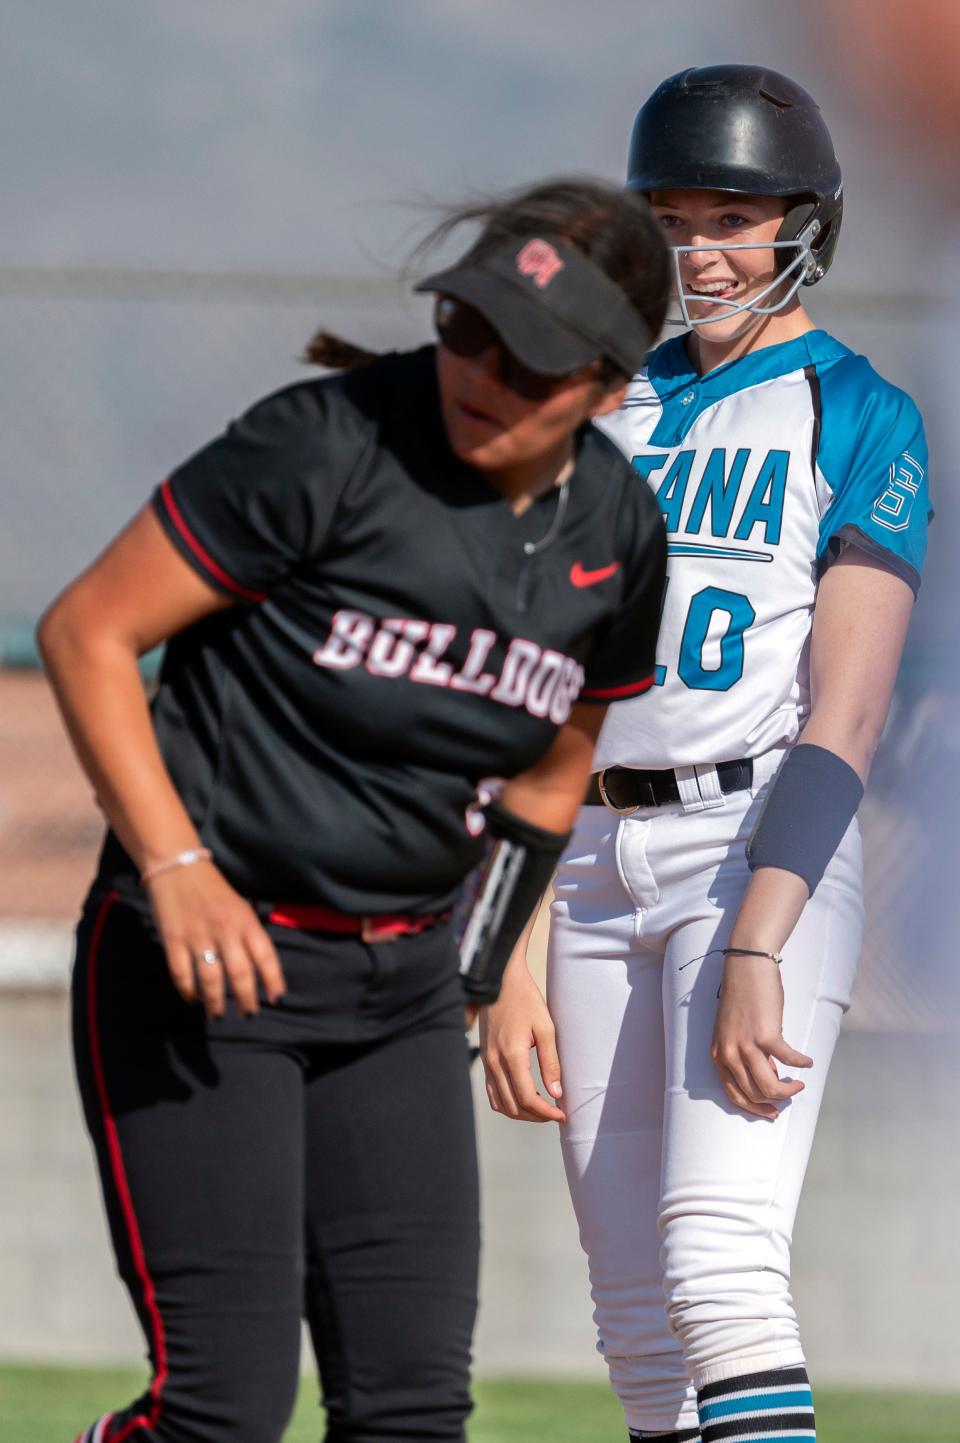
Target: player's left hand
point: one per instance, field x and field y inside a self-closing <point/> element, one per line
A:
<point x="748" y="1038"/>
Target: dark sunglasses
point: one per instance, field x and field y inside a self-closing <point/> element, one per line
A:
<point x="463" y="330"/>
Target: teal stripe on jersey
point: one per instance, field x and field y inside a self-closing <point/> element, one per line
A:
<point x="781" y="1401"/>
<point x="726" y="553"/>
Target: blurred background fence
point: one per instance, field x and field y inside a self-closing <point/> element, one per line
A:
<point x="107" y="379"/>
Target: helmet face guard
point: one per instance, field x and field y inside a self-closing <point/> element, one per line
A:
<point x="793" y="274"/>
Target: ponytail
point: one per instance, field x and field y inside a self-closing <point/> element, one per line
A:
<point x="326" y="349"/>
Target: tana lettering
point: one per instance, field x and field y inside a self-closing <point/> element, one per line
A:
<point x="725" y="488"/>
<point x="544" y="682"/>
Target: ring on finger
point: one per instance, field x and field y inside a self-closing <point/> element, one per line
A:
<point x="210" y="957"/>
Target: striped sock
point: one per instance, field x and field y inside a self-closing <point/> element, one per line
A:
<point x="689" y="1435"/>
<point x="771" y="1407"/>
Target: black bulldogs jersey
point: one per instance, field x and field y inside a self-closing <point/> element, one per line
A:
<point x="400" y="636"/>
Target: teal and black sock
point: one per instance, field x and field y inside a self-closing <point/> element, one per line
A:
<point x="775" y="1406"/>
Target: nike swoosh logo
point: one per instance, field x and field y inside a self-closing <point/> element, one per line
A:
<point x="580" y="577"/>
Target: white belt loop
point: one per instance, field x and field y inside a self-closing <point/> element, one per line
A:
<point x="688" y="788"/>
<point x="709" y="784"/>
<point x="699" y="788"/>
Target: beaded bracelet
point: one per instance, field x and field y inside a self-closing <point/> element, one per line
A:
<point x="182" y="859"/>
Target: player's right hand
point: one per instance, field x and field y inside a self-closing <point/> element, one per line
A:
<point x="197" y="912"/>
<point x="515" y="1024"/>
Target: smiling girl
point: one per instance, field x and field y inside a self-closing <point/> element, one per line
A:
<point x="708" y="911"/>
<point x="736" y="288"/>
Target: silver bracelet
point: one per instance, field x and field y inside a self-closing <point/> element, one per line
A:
<point x="182" y="859"/>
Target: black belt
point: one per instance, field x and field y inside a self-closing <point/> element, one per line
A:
<point x="627" y="787"/>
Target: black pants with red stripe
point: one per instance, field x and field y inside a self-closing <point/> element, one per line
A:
<point x="317" y="1160"/>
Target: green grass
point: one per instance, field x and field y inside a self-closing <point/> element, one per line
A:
<point x="50" y="1405"/>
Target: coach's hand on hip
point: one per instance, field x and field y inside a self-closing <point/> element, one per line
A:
<point x="213" y="940"/>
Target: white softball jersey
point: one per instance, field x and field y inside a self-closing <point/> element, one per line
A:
<point x="764" y="469"/>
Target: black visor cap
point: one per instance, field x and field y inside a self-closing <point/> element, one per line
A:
<point x="552" y="307"/>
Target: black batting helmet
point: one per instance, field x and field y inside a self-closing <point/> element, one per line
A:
<point x="749" y="130"/>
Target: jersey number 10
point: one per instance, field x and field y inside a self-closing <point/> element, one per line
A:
<point x="711" y="602"/>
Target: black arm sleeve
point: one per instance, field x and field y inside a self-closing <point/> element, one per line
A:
<point x="811" y="803"/>
<point x="517" y="871"/>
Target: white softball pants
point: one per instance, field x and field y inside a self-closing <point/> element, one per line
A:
<point x="685" y="1204"/>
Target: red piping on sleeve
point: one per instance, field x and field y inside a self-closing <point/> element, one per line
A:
<point x="614" y="693"/>
<point x="215" y="570"/>
<point x="149" y="1419"/>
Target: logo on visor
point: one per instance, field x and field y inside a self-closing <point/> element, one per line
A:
<point x="539" y="260"/>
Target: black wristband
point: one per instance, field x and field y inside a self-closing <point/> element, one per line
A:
<point x="516" y="874"/>
<point x="812" y="801"/>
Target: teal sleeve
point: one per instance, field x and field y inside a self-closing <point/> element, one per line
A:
<point x="873" y="455"/>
